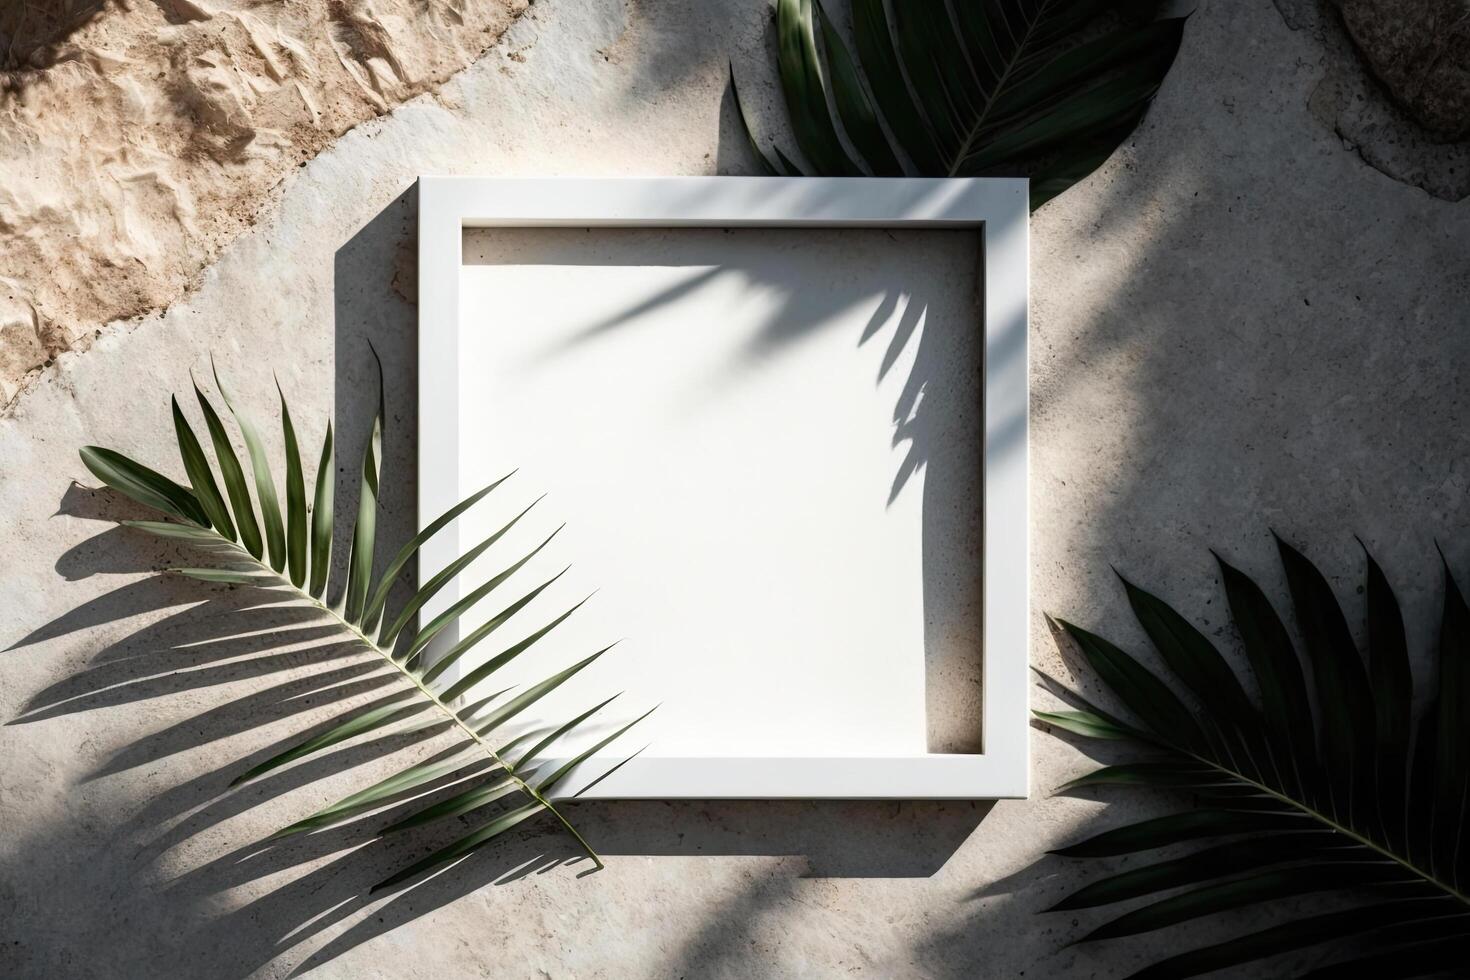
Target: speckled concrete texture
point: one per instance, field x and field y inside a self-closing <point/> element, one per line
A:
<point x="1238" y="325"/>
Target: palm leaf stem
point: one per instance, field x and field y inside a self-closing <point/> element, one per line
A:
<point x="449" y="712"/>
<point x="1318" y="815"/>
<point x="995" y="91"/>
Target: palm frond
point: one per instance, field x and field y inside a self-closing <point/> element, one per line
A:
<point x="1320" y="783"/>
<point x="294" y="557"/>
<point x="1041" y="88"/>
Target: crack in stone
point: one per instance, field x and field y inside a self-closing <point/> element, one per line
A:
<point x="1351" y="102"/>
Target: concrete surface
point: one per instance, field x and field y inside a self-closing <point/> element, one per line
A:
<point x="1237" y="325"/>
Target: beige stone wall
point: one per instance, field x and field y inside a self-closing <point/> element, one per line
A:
<point x="139" y="138"/>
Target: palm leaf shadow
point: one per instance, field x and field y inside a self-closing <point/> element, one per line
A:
<point x="292" y="661"/>
<point x="197" y="650"/>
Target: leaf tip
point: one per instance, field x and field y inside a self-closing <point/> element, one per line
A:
<point x="1225" y="567"/>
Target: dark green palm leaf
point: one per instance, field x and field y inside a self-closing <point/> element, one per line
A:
<point x="1039" y="88"/>
<point x="143" y="485"/>
<point x="1451" y="753"/>
<point x="295" y="499"/>
<point x="490" y="625"/>
<point x="884" y="73"/>
<point x="805" y="87"/>
<point x="769" y="167"/>
<point x="1086" y="723"/>
<point x="321" y="517"/>
<point x="1278" y="674"/>
<point x="1344" y="704"/>
<point x="232" y="476"/>
<point x="1234" y="730"/>
<point x="1235" y="893"/>
<point x="265" y="484"/>
<point x="1309" y="931"/>
<point x="484" y="670"/>
<point x="1146" y="695"/>
<point x="180" y="532"/>
<point x="858" y="116"/>
<point x="1172" y="774"/>
<point x="463" y="802"/>
<point x="1393" y="693"/>
<point x="1442" y="956"/>
<point x="1213" y="862"/>
<point x="358" y="724"/>
<point x="549" y="783"/>
<point x="531" y="695"/>
<point x="400" y="782"/>
<point x="227" y="576"/>
<point x="1148" y="835"/>
<point x="201" y="477"/>
<point x="405" y="554"/>
<point x="439" y="623"/>
<point x="1297" y="795"/>
<point x="442" y="578"/>
<point x="1192" y="657"/>
<point x="298" y="566"/>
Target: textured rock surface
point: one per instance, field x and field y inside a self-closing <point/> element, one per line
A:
<point x="138" y="138"/>
<point x="1421" y="51"/>
<point x="1237" y="325"/>
<point x="1351" y="101"/>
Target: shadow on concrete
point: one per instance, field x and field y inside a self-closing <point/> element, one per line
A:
<point x="1233" y="367"/>
<point x="216" y="639"/>
<point x="824" y="839"/>
<point x="251" y="904"/>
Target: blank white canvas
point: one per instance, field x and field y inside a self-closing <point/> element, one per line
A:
<point x="725" y="420"/>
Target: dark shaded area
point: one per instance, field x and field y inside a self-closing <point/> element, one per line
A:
<point x="1420" y="51"/>
<point x="1388" y="86"/>
<point x="829" y="838"/>
<point x="293" y="663"/>
<point x="33" y="33"/>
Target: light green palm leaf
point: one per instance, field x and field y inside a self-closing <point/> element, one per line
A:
<point x="294" y="559"/>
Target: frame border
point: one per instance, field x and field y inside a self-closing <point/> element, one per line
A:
<point x="999" y="208"/>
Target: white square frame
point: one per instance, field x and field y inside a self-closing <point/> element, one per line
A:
<point x="999" y="209"/>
